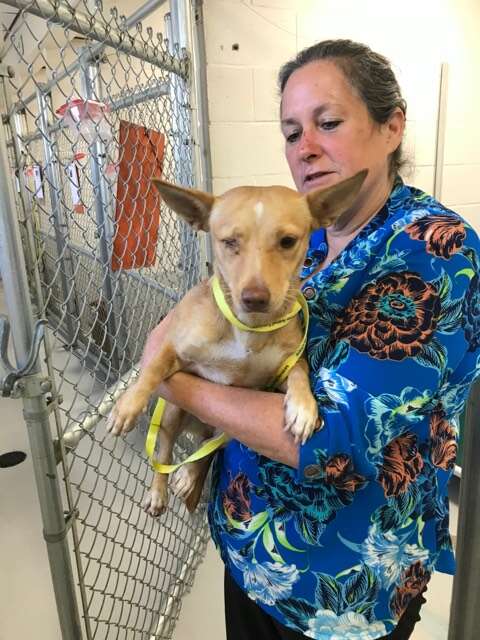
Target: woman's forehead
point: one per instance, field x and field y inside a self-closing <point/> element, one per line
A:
<point x="318" y="84"/>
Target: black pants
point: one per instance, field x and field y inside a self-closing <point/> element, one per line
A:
<point x="245" y="620"/>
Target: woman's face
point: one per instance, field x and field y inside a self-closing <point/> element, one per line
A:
<point x="329" y="134"/>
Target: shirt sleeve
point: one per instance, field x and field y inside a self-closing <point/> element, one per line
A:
<point x="398" y="361"/>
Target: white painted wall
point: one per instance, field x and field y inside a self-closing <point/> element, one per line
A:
<point x="417" y="36"/>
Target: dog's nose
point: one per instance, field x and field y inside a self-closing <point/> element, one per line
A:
<point x="255" y="299"/>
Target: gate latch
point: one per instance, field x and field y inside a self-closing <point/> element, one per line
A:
<point x="13" y="374"/>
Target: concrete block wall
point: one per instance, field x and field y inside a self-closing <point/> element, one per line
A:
<point x="248" y="40"/>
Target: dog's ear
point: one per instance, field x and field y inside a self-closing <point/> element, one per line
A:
<point x="192" y="205"/>
<point x="327" y="205"/>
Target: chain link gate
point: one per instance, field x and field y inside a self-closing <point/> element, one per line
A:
<point x="72" y="196"/>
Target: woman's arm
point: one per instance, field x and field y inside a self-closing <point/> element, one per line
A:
<point x="255" y="418"/>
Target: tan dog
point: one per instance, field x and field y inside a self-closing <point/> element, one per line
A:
<point x="260" y="236"/>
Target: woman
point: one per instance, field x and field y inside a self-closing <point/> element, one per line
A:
<point x="338" y="538"/>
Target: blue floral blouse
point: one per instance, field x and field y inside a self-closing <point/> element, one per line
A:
<point x="336" y="549"/>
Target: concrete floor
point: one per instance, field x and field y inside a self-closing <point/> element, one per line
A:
<point x="27" y="608"/>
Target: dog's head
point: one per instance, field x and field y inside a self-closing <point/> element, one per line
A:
<point x="260" y="236"/>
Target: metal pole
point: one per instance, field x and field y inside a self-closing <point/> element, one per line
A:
<point x="180" y="136"/>
<point x="103" y="207"/>
<point x="62" y="13"/>
<point x="465" y="609"/>
<point x="142" y="12"/>
<point x="121" y="102"/>
<point x="200" y="119"/>
<point x="64" y="256"/>
<point x="440" y="134"/>
<point x="35" y="411"/>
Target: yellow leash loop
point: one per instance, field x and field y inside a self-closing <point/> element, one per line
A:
<point x="281" y="375"/>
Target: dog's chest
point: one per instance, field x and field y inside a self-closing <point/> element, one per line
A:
<point x="236" y="362"/>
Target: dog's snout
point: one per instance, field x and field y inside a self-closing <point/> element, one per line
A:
<point x="256" y="299"/>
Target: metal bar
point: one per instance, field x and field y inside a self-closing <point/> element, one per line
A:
<point x="168" y="292"/>
<point x="142" y="12"/>
<point x="465" y="612"/>
<point x="16" y="127"/>
<point x="162" y="89"/>
<point x="440" y="133"/>
<point x="200" y="123"/>
<point x="36" y="413"/>
<point x="102" y="197"/>
<point x="99" y="33"/>
<point x="62" y="13"/>
<point x="151" y="93"/>
<point x="73" y="434"/>
<point x="176" y="30"/>
<point x="58" y="215"/>
<point x="25" y="202"/>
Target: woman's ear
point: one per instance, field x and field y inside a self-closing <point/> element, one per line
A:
<point x="395" y="127"/>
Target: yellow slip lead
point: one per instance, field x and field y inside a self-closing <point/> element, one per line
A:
<point x="206" y="449"/>
<point x="228" y="313"/>
<point x="281" y="375"/>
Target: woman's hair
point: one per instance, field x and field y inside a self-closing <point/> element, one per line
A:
<point x="369" y="73"/>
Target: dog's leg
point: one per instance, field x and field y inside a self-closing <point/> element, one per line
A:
<point x="172" y="424"/>
<point x="135" y="399"/>
<point x="301" y="410"/>
<point x="188" y="481"/>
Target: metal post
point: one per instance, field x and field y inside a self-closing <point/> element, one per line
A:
<point x="200" y="119"/>
<point x="104" y="217"/>
<point x="35" y="411"/>
<point x="64" y="255"/>
<point x="465" y="612"/>
<point x="26" y="209"/>
<point x="440" y="133"/>
<point x="180" y="136"/>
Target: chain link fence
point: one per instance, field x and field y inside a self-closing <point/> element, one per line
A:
<point x="94" y="106"/>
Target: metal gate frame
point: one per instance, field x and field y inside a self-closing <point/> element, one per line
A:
<point x="26" y="378"/>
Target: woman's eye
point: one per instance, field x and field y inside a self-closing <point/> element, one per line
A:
<point x="288" y="242"/>
<point x="329" y="125"/>
<point x="230" y="243"/>
<point x="292" y="137"/>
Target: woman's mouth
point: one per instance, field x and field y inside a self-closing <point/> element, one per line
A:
<point x="317" y="178"/>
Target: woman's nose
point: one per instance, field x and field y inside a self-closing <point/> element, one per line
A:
<point x="309" y="147"/>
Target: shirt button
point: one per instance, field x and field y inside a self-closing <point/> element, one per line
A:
<point x="312" y="471"/>
<point x="309" y="293"/>
<point x="308" y="262"/>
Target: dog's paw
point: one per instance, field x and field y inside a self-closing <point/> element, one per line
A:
<point x="183" y="481"/>
<point x="124" y="414"/>
<point x="301" y="414"/>
<point x="156" y="502"/>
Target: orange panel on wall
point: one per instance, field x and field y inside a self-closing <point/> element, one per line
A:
<point x="137" y="213"/>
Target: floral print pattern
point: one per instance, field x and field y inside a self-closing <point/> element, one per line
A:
<point x="391" y="318"/>
<point x="413" y="581"/>
<point x="443" y="234"/>
<point x="338" y="547"/>
<point x="443" y="441"/>
<point x="402" y="462"/>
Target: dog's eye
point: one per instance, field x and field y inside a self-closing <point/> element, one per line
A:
<point x="230" y="243"/>
<point x="287" y="242"/>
